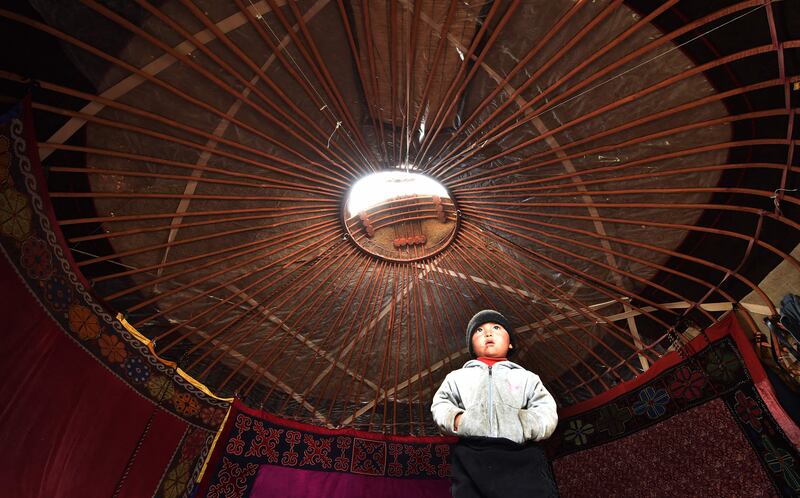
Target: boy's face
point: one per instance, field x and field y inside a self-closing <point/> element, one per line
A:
<point x="490" y="340"/>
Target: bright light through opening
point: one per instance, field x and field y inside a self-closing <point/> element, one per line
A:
<point x="380" y="187"/>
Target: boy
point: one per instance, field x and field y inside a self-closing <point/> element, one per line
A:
<point x="499" y="410"/>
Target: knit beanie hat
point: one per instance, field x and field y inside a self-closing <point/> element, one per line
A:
<point x="486" y="316"/>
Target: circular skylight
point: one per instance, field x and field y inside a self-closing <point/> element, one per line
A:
<point x="400" y="215"/>
<point x="383" y="186"/>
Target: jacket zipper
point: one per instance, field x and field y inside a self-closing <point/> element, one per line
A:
<point x="491" y="408"/>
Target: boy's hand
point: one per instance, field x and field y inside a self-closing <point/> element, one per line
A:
<point x="456" y="421"/>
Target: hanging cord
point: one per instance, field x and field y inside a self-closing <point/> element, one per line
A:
<point x="778" y="196"/>
<point x="147" y="427"/>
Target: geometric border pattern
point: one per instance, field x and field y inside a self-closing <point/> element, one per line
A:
<point x="252" y="438"/>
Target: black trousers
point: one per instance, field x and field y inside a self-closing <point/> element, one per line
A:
<point x="500" y="468"/>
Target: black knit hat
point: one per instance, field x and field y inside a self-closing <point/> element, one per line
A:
<point x="486" y="316"/>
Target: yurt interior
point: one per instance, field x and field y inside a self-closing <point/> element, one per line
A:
<point x="399" y="248"/>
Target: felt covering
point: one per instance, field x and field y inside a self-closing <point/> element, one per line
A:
<point x="69" y="426"/>
<point x="87" y="409"/>
<point x="704" y="423"/>
<point x="261" y="455"/>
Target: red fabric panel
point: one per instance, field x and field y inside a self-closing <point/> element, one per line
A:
<point x="68" y="425"/>
<point x="286" y="482"/>
<point x="701" y="452"/>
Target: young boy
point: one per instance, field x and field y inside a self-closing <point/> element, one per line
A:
<point x="499" y="410"/>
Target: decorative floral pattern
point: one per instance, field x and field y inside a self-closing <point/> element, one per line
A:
<point x="251" y="439"/>
<point x="186" y="463"/>
<point x="341" y="462"/>
<point x="781" y="462"/>
<point x="265" y="442"/>
<point x="395" y="468"/>
<point x="83" y="322"/>
<point x="419" y="460"/>
<point x="651" y="402"/>
<point x="186" y="404"/>
<point x="160" y="387"/>
<point x="578" y="432"/>
<point x="748" y="410"/>
<point x="58" y="293"/>
<point x="723" y="366"/>
<point x="36" y="258"/>
<point x="236" y="444"/>
<point x="688" y="384"/>
<point x="212" y="416"/>
<point x="112" y="348"/>
<point x="15" y="214"/>
<point x="612" y="419"/>
<point x="193" y="443"/>
<point x="443" y="452"/>
<point x="176" y="480"/>
<point x="719" y="439"/>
<point x="317" y="451"/>
<point x="137" y="370"/>
<point x="289" y="458"/>
<point x="369" y="457"/>
<point x="699" y="452"/>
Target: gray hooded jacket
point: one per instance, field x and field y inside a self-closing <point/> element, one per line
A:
<point x="504" y="400"/>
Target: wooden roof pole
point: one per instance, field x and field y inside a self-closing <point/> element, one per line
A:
<point x="454" y="91"/>
<point x="499" y="264"/>
<point x="336" y="112"/>
<point x="515" y="271"/>
<point x="665" y="83"/>
<point x="81" y="117"/>
<point x="296" y="130"/>
<point x="323" y="75"/>
<point x="322" y="179"/>
<point x="628" y="257"/>
<point x="588" y="280"/>
<point x="492" y="135"/>
<point x="330" y="234"/>
<point x="444" y="164"/>
<point x="343" y="264"/>
<point x="572" y="254"/>
<point x="346" y="309"/>
<point x="366" y="334"/>
<point x="274" y="301"/>
<point x="576" y="356"/>
<point x="528" y="164"/>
